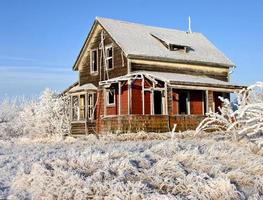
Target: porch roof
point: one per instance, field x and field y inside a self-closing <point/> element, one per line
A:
<point x="85" y="87"/>
<point x="175" y="79"/>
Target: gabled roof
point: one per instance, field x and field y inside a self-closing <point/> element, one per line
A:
<point x="138" y="40"/>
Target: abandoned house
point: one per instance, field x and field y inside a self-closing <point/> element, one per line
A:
<point x="134" y="77"/>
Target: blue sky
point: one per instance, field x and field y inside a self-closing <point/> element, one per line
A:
<point x="40" y="40"/>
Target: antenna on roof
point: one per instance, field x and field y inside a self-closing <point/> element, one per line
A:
<point x="189" y="25"/>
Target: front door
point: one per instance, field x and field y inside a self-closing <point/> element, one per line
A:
<point x="157" y="96"/>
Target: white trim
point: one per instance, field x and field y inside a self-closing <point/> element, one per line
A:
<point x="107" y="57"/>
<point x="92" y="72"/>
<point x="119" y="98"/>
<point x="188" y="101"/>
<point x="143" y="100"/>
<point x="129" y="97"/>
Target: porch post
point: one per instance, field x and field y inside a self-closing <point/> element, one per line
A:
<point x="143" y="105"/>
<point x="129" y="96"/>
<point x="152" y="99"/>
<point x="119" y="97"/>
<point x="166" y="98"/>
<point x="105" y="101"/>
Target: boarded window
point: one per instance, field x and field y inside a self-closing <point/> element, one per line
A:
<point x="109" y="57"/>
<point x="94" y="61"/>
<point x="196" y="102"/>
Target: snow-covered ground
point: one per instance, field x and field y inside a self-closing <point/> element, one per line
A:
<point x="148" y="166"/>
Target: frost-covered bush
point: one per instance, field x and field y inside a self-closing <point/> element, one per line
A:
<point x="9" y="118"/>
<point x="245" y="121"/>
<point x="46" y="116"/>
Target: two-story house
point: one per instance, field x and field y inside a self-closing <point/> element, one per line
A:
<point x="134" y="77"/>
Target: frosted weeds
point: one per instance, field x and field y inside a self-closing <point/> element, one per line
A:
<point x="246" y="121"/>
<point x="110" y="168"/>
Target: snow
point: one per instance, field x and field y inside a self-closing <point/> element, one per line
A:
<point x="37" y="160"/>
<point x="245" y="121"/>
<point x="175" y="78"/>
<point x="114" y="167"/>
<point x="136" y="39"/>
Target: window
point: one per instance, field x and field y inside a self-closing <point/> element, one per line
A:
<point x="94" y="61"/>
<point x="175" y="47"/>
<point x="111" y="97"/>
<point x="75" y="110"/>
<point x="82" y="107"/>
<point x="109" y="57"/>
<point x="91" y="103"/>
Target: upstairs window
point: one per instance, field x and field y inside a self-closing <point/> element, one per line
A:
<point x="109" y="57"/>
<point x="94" y="61"/>
<point x="111" y="97"/>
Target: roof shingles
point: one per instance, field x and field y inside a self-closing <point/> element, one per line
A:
<point x="137" y="40"/>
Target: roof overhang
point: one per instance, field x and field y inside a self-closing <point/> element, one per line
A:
<point x="163" y="59"/>
<point x="180" y="81"/>
<point x="83" y="88"/>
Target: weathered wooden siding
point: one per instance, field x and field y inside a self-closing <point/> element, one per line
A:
<point x="119" y="60"/>
<point x="213" y="72"/>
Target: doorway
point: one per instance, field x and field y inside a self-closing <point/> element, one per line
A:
<point x="157" y="97"/>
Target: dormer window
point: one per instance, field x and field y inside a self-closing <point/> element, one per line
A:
<point x="94" y="61"/>
<point x="175" y="47"/>
<point x="109" y="57"/>
<point x="171" y="43"/>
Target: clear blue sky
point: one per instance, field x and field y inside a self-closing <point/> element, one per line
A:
<point x="40" y="40"/>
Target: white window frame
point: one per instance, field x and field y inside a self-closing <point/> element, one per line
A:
<point x="108" y="58"/>
<point x="92" y="62"/>
<point x="114" y="97"/>
<point x="75" y="108"/>
<point x="90" y="106"/>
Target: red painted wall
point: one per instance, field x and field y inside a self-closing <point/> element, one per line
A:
<point x="124" y="99"/>
<point x="137" y="97"/>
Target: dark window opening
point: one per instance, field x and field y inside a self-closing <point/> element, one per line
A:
<point x="157" y="95"/>
<point x="183" y="99"/>
<point x="175" y="47"/>
<point x="111" y="97"/>
<point x="109" y="57"/>
<point x="94" y="61"/>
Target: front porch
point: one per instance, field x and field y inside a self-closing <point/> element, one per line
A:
<point x="145" y="101"/>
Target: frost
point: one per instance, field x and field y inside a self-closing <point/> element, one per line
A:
<point x="246" y="121"/>
<point x="37" y="163"/>
<point x="46" y="116"/>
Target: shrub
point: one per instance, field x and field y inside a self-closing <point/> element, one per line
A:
<point x="48" y="115"/>
<point x="246" y="121"/>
